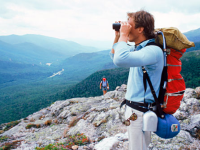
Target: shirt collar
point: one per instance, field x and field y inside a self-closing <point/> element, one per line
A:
<point x="144" y="43"/>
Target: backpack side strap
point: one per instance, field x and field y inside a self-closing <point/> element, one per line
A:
<point x="159" y="111"/>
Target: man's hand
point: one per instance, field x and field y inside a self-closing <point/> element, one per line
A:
<point x="124" y="31"/>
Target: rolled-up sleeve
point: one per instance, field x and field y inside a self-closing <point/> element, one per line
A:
<point x="124" y="57"/>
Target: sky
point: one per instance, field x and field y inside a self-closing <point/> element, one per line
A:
<point x="89" y="22"/>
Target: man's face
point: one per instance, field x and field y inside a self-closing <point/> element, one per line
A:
<point x="133" y="35"/>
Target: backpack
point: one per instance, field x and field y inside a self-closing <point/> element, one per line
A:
<point x="172" y="86"/>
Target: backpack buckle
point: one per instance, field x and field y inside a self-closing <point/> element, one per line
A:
<point x="168" y="51"/>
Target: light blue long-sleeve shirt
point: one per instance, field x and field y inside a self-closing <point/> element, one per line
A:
<point x="151" y="57"/>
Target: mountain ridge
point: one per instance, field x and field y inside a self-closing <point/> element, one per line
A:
<point x="51" y="43"/>
<point x="193" y="35"/>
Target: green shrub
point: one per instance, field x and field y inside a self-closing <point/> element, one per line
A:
<point x="77" y="139"/>
<point x="30" y="125"/>
<point x="3" y="138"/>
<point x="10" y="145"/>
<point x="11" y="124"/>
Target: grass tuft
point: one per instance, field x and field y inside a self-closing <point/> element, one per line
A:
<point x="71" y="140"/>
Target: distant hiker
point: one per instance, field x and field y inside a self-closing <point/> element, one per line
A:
<point x="104" y="85"/>
<point x="139" y="29"/>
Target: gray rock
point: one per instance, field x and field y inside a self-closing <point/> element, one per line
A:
<point x="193" y="125"/>
<point x="107" y="144"/>
<point x="189" y="93"/>
<point x="197" y="90"/>
<point x="57" y="107"/>
<point x="181" y="115"/>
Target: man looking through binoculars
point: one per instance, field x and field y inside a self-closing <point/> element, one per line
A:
<point x="138" y="29"/>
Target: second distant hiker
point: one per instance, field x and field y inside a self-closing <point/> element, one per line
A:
<point x="104" y="85"/>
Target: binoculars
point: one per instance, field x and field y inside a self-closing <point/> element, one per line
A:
<point x="116" y="26"/>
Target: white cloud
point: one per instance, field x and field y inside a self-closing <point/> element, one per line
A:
<point x="89" y="19"/>
<point x="185" y="22"/>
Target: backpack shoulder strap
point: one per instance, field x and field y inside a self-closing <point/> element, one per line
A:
<point x="159" y="111"/>
<point x="153" y="43"/>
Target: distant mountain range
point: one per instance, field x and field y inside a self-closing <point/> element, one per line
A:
<point x="27" y="53"/>
<point x="35" y="57"/>
<point x="38" y="48"/>
<point x="193" y="35"/>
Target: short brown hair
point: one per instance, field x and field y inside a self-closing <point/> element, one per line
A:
<point x="144" y="19"/>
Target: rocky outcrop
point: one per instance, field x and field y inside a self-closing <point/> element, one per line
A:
<point x="101" y="120"/>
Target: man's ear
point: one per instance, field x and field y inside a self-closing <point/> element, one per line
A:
<point x="140" y="29"/>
